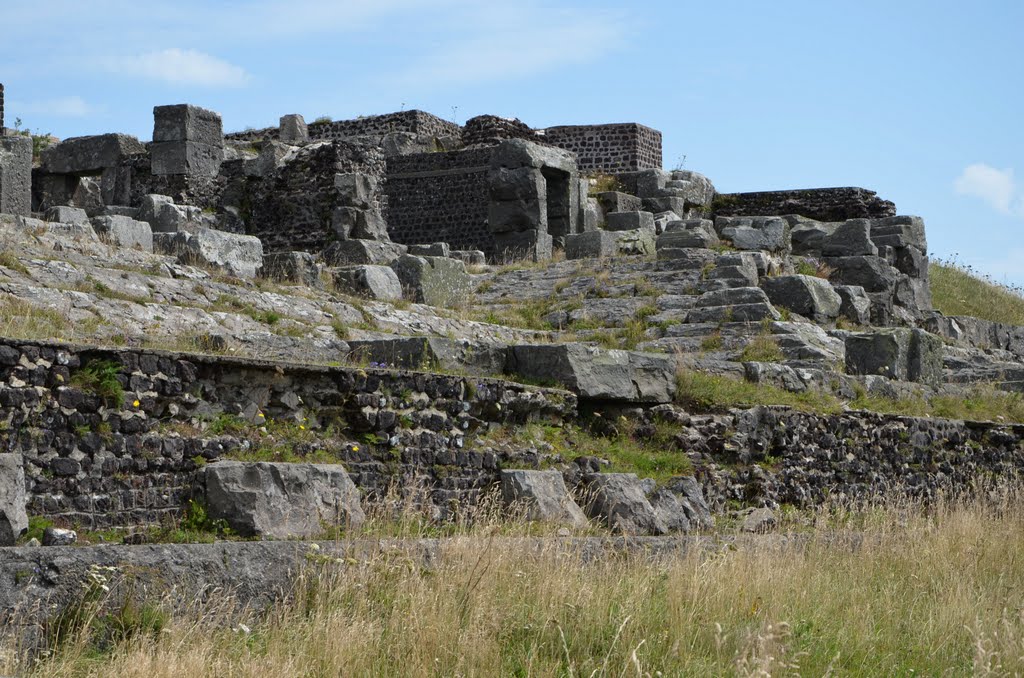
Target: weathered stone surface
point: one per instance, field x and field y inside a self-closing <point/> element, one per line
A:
<point x="356" y="189"/>
<point x="370" y="281"/>
<point x="856" y="305"/>
<point x="597" y="374"/>
<point x="15" y="175"/>
<point x="688" y="233"/>
<point x="434" y="249"/>
<point x="739" y="266"/>
<point x="758" y="521"/>
<point x="804" y="294"/>
<point x="423" y="353"/>
<point x="628" y="221"/>
<point x="618" y="500"/>
<point x="185" y="158"/>
<point x="874" y="274"/>
<point x="542" y="495"/>
<point x="13" y="518"/>
<point x="89" y="154"/>
<point x="238" y="255"/>
<point x="280" y="500"/>
<point x="294" y="267"/>
<point x="185" y="122"/>
<point x="470" y="257"/>
<point x="882" y="352"/>
<point x="591" y="245"/>
<point x="691" y="497"/>
<point x="532" y="245"/>
<point x="770" y="234"/>
<point x="850" y="239"/>
<point x="899" y="232"/>
<point x="358" y="251"/>
<point x="639" y="242"/>
<point x="751" y="312"/>
<point x="514" y="153"/>
<point x="436" y="281"/>
<point x="124" y="232"/>
<point x="807" y="236"/>
<point x="360" y="224"/>
<point x="58" y="536"/>
<point x="696" y="188"/>
<point x="663" y="219"/>
<point x="925" y="358"/>
<point x="617" y="201"/>
<point x="292" y="129"/>
<point x="164" y="216"/>
<point x="67" y="215"/>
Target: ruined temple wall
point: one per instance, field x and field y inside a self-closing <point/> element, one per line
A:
<point x="820" y="204"/>
<point x="440" y="197"/>
<point x="608" y="149"/>
<point x="412" y="122"/>
<point x="97" y="463"/>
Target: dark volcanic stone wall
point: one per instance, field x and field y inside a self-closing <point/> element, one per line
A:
<point x="413" y="122"/>
<point x="491" y="129"/>
<point x="1" y="108"/>
<point x="292" y="209"/>
<point x="440" y="197"/>
<point x="608" y="149"/>
<point x="821" y="204"/>
<point x="97" y="463"/>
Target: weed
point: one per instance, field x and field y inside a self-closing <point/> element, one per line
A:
<point x="100" y="377"/>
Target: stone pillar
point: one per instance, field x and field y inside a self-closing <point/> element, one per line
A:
<point x="16" y="175"/>
<point x="293" y="129"/>
<point x="187" y="140"/>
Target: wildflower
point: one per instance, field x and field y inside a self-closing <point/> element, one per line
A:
<point x="355" y="448"/>
<point x="136" y="403"/>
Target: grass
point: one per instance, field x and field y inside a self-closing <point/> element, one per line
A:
<point x="957" y="289"/>
<point x="99" y="377"/>
<point x="763" y="348"/>
<point x="703" y="392"/>
<point x="917" y="591"/>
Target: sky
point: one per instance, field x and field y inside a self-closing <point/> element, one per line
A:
<point x="919" y="101"/>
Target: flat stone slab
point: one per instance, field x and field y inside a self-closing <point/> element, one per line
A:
<point x="542" y="495"/>
<point x="89" y="154"/>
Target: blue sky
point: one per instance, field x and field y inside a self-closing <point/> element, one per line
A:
<point x="920" y="101"/>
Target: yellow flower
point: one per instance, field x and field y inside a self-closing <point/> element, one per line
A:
<point x="301" y="427"/>
<point x="136" y="403"/>
<point x="355" y="448"/>
<point x="261" y="415"/>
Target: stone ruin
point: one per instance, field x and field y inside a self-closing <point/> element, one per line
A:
<point x="393" y="208"/>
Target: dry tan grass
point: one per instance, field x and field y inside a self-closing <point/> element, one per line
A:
<point x="933" y="592"/>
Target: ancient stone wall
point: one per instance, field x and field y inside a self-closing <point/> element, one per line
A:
<point x="95" y="461"/>
<point x="1" y="108"/>
<point x="491" y="129"/>
<point x="821" y="204"/>
<point x="440" y="197"/>
<point x="622" y="147"/>
<point x="413" y="122"/>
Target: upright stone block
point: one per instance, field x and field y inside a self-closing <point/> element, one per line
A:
<point x="293" y="129"/>
<point x="186" y="140"/>
<point x="89" y="154"/>
<point x="16" y="175"/>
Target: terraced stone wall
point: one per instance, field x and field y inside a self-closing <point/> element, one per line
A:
<point x="608" y="149"/>
<point x="412" y="122"/>
<point x="94" y="459"/>
<point x="820" y="204"/>
<point x="440" y="197"/>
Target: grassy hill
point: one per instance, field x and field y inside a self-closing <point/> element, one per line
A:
<point x="958" y="289"/>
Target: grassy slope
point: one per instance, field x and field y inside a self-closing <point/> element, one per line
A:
<point x="936" y="592"/>
<point x="957" y="290"/>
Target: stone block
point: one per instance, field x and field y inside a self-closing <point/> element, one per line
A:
<point x="697" y="188"/>
<point x="13" y="518"/>
<point x="698" y="233"/>
<point x="769" y="234"/>
<point x="166" y="217"/>
<point x="16" y="175"/>
<point x="629" y="221"/>
<point x="237" y="255"/>
<point x="753" y="312"/>
<point x="293" y="267"/>
<point x="669" y="204"/>
<point x="924" y="360"/>
<point x="185" y="122"/>
<point x="898" y="232"/>
<point x="185" y="158"/>
<point x="369" y="281"/>
<point x="434" y="249"/>
<point x="470" y="257"/>
<point x="279" y="500"/>
<point x="542" y="496"/>
<point x="124" y="232"/>
<point x="530" y="245"/>
<point x="293" y="130"/>
<point x="432" y="353"/>
<point x="663" y="219"/>
<point x="355" y="189"/>
<point x="360" y="224"/>
<point x="591" y="245"/>
<point x="807" y="295"/>
<point x="650" y="182"/>
<point x="358" y="251"/>
<point x="435" y="281"/>
<point x="513" y="153"/>
<point x="874" y="274"/>
<point x="67" y="215"/>
<point x="89" y="154"/>
<point x="512" y="216"/>
<point x="883" y="352"/>
<point x="732" y="296"/>
<point x="807" y="237"/>
<point x="855" y="304"/>
<point x="597" y="374"/>
<point x="639" y="242"/>
<point x="617" y="201"/>
<point x="618" y="500"/>
<point x="851" y="239"/>
<point x="592" y="216"/>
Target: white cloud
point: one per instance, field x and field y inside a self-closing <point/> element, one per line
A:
<point x="64" y="107"/>
<point x="181" y="67"/>
<point x="998" y="188"/>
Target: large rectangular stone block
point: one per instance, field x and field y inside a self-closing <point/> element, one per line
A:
<point x="16" y="175"/>
<point x="518" y="245"/>
<point x="185" y="122"/>
<point x="186" y="157"/>
<point x="89" y="154"/>
<point x="591" y="245"/>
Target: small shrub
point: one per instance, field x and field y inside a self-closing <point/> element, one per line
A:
<point x="100" y="378"/>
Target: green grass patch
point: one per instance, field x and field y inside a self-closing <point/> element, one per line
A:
<point x="99" y="377"/>
<point x="957" y="289"/>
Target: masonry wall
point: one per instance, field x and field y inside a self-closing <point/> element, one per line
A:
<point x="412" y="122"/>
<point x="607" y="149"/>
<point x="440" y="197"/>
<point x="96" y="463"/>
<point x="821" y="204"/>
<point x="1" y="108"/>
